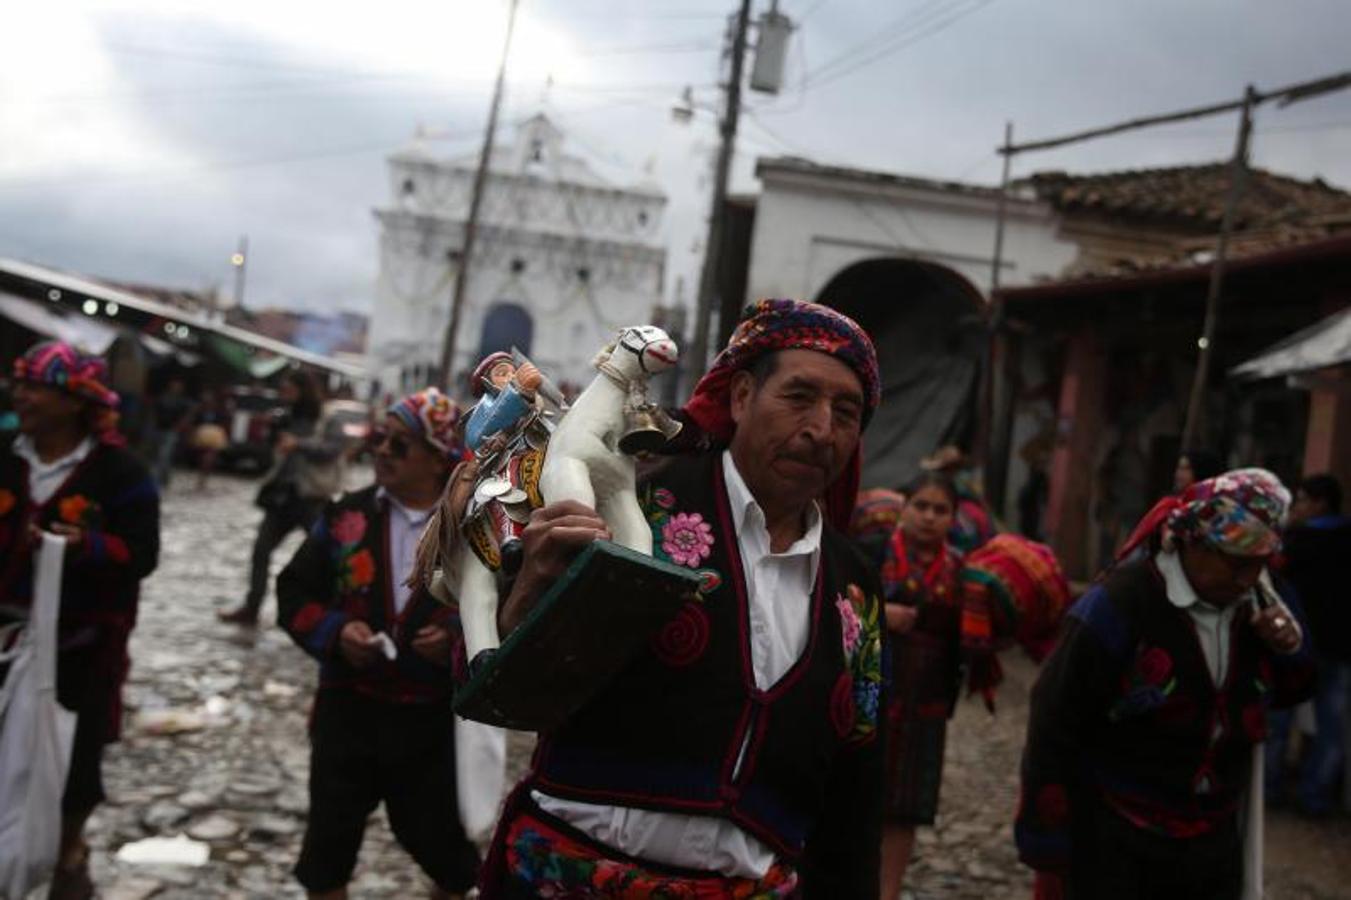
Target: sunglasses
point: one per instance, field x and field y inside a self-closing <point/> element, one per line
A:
<point x="398" y="444"/>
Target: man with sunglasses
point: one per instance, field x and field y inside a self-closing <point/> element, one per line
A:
<point x="382" y="728"/>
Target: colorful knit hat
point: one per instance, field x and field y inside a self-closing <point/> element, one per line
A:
<point x="877" y="512"/>
<point x="482" y="370"/>
<point x="434" y="417"/>
<point x="772" y="325"/>
<point x="60" y="365"/>
<point x="1240" y="513"/>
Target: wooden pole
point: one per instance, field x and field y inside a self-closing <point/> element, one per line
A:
<point x="995" y="433"/>
<point x="446" y="371"/>
<point x="1285" y="96"/>
<point x="1238" y="170"/>
<point x="710" y="277"/>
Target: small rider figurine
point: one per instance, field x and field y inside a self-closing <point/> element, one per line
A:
<point x="503" y="492"/>
<point x="512" y="396"/>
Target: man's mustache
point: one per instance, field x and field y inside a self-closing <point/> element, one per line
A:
<point x="823" y="458"/>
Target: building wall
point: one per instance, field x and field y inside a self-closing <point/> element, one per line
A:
<point x="809" y="227"/>
<point x="577" y="294"/>
<point x="581" y="257"/>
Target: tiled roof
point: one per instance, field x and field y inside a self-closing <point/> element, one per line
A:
<point x="1193" y="196"/>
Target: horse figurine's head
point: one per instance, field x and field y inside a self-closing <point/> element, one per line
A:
<point x="640" y="351"/>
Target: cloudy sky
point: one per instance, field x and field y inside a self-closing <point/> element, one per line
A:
<point x="140" y="138"/>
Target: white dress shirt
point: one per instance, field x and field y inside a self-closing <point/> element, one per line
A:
<point x="779" y="589"/>
<point x="44" y="478"/>
<point x="1213" y="624"/>
<point x="405" y="530"/>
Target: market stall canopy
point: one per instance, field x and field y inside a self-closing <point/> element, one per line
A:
<point x="81" y="331"/>
<point x="185" y="330"/>
<point x="1322" y="345"/>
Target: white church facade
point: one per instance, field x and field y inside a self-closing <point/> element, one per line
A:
<point x="562" y="259"/>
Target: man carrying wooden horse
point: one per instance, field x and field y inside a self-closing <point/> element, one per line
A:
<point x="740" y="755"/>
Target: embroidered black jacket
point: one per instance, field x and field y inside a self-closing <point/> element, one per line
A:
<point x="111" y="496"/>
<point x="668" y="733"/>
<point x="1125" y="714"/>
<point x="342" y="573"/>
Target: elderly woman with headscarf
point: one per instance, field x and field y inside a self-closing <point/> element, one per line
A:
<point x="740" y="757"/>
<point x="1143" y="721"/>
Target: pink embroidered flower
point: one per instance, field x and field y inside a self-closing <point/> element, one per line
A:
<point x="664" y="498"/>
<point x="349" y="528"/>
<point x="850" y="626"/>
<point x="687" y="539"/>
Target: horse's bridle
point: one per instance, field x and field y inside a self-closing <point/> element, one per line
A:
<point x="637" y="351"/>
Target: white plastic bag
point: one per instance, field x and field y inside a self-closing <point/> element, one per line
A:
<point x="480" y="775"/>
<point x="36" y="735"/>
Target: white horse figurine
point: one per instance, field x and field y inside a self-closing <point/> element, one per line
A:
<point x="583" y="462"/>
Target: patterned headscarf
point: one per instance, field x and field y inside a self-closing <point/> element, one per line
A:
<point x="435" y="418"/>
<point x="1239" y="513"/>
<point x="772" y="325"/>
<point x="482" y="370"/>
<point x="61" y="366"/>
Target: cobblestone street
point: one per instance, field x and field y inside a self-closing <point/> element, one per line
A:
<point x="215" y="748"/>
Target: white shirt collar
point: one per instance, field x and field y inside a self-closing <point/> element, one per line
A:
<point x="23" y="446"/>
<point x="1180" y="591"/>
<point x="747" y="513"/>
<point x="414" y="517"/>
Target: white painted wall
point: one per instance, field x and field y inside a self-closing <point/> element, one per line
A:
<point x="811" y="223"/>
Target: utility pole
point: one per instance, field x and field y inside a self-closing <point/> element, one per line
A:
<point x="1238" y="173"/>
<point x="994" y="431"/>
<point x="711" y="274"/>
<point x="240" y="261"/>
<point x="447" y="372"/>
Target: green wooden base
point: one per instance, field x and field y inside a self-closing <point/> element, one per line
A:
<point x="598" y="616"/>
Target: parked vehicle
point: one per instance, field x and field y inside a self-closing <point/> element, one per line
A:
<point x="348" y="421"/>
<point x="253" y="419"/>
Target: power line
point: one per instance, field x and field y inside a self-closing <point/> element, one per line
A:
<point x="876" y="37"/>
<point x="934" y="26"/>
<point x="811" y="10"/>
<point x="1283" y="96"/>
<point x="45" y="181"/>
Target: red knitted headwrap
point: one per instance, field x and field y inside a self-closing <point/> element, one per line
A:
<point x="772" y="325"/>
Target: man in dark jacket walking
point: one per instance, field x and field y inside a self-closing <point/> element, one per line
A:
<point x="382" y="729"/>
<point x="67" y="472"/>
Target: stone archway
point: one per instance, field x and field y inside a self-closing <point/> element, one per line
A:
<point x="506" y="325"/>
<point x="925" y="321"/>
